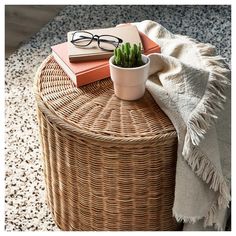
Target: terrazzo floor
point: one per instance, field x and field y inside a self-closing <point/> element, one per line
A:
<point x="25" y="205"/>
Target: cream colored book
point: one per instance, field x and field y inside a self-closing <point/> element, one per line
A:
<point x="83" y="52"/>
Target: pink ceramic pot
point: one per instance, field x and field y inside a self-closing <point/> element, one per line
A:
<point x="129" y="83"/>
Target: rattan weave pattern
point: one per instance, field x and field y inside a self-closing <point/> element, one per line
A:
<point x="108" y="164"/>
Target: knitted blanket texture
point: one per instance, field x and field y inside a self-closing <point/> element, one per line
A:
<point x="187" y="80"/>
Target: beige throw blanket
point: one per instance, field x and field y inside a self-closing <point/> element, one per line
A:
<point x="188" y="81"/>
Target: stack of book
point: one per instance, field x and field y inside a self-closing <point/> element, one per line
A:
<point x="85" y="65"/>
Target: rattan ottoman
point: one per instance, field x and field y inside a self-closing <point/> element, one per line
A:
<point x="108" y="164"/>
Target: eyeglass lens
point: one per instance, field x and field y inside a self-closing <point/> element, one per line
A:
<point x="108" y="42"/>
<point x="82" y="38"/>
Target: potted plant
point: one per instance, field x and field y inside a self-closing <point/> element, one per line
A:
<point x="129" y="71"/>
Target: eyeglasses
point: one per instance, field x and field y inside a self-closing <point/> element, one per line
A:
<point x="105" y="42"/>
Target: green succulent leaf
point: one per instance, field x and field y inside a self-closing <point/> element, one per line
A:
<point x="128" y="55"/>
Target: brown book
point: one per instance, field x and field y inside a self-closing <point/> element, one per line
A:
<point x="127" y="33"/>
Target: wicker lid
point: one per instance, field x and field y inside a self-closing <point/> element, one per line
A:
<point x="96" y="110"/>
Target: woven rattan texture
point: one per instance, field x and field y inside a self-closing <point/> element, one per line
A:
<point x="108" y="164"/>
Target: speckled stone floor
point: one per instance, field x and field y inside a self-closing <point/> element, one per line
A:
<point x="25" y="206"/>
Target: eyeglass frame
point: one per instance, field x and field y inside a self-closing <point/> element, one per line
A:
<point x="97" y="38"/>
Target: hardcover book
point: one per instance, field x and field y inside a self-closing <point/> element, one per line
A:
<point x="82" y="73"/>
<point x="83" y="50"/>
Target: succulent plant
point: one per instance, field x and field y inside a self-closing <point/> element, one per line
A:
<point x="128" y="56"/>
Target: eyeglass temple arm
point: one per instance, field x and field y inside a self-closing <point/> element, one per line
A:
<point x="81" y="38"/>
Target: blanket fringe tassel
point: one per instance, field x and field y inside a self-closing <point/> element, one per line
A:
<point x="199" y="122"/>
<point x="208" y="221"/>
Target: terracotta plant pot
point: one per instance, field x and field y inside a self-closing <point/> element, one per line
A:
<point x="129" y="83"/>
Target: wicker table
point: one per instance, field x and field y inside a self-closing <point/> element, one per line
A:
<point x="109" y="164"/>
